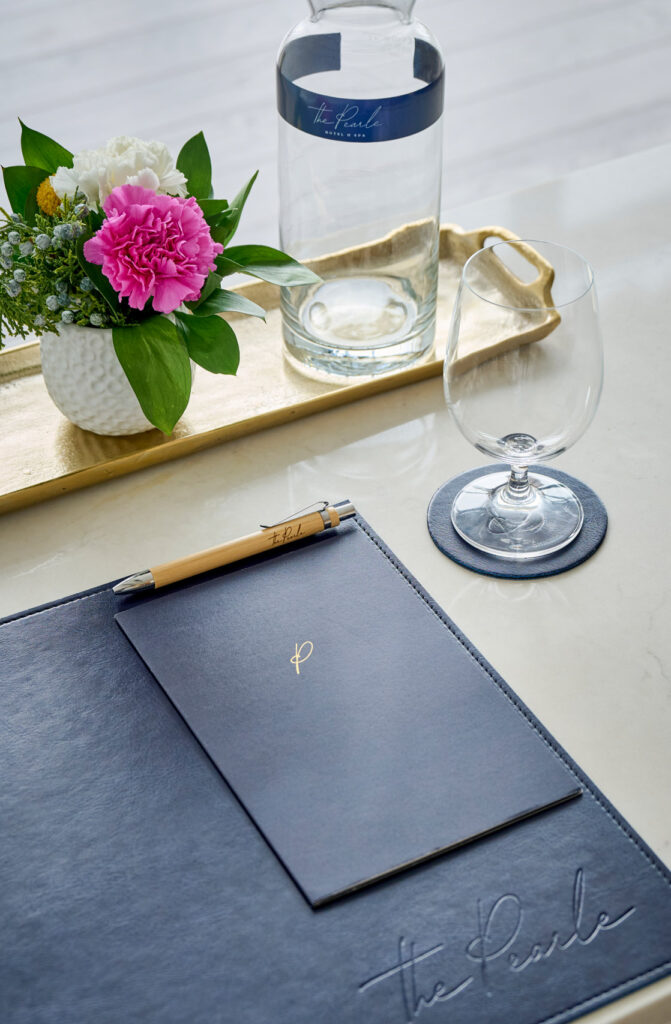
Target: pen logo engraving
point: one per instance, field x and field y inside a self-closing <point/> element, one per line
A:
<point x="302" y="654"/>
<point x="502" y="945"/>
<point x="289" y="531"/>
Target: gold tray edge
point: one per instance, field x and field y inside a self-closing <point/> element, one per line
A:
<point x="178" y="447"/>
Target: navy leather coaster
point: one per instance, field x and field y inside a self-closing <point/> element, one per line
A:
<point x="447" y="540"/>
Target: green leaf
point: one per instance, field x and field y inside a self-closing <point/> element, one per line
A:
<point x="195" y="164"/>
<point x="212" y="208"/>
<point x="226" y="266"/>
<point x="212" y="282"/>
<point x="220" y="229"/>
<point x="211" y="342"/>
<point x="41" y="151"/>
<point x="31" y="209"/>
<point x="155" y="360"/>
<point x="264" y="262"/>
<point x="95" y="272"/>
<point x="227" y="223"/>
<point x="223" y="301"/>
<point x="241" y="198"/>
<point x="95" y="219"/>
<point x="19" y="182"/>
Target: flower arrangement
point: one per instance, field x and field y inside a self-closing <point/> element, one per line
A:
<point x="124" y="237"/>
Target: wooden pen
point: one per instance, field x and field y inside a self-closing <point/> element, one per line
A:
<point x="266" y="539"/>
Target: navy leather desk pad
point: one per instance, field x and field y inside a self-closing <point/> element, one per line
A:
<point x="136" y="889"/>
<point x="389" y="744"/>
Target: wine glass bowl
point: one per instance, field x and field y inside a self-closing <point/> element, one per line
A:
<point x="526" y="402"/>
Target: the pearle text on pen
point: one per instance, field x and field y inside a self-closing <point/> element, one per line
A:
<point x="286" y="533"/>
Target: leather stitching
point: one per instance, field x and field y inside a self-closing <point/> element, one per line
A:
<point x="52" y="607"/>
<point x="595" y="1001"/>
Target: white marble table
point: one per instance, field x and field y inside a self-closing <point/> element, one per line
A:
<point x="589" y="651"/>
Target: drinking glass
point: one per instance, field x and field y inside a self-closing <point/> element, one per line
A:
<point x="525" y="400"/>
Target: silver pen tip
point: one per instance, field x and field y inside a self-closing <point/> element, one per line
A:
<point x="138" y="581"/>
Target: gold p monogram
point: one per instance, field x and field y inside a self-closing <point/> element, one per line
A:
<point x="299" y="657"/>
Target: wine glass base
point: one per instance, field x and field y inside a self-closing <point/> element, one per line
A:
<point x="548" y="519"/>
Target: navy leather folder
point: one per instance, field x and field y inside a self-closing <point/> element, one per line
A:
<point x="358" y="732"/>
<point x="135" y="888"/>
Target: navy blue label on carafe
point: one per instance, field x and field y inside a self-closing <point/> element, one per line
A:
<point x="355" y="120"/>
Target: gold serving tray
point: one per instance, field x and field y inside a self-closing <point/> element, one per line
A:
<point x="43" y="455"/>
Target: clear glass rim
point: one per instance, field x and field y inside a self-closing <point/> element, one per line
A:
<point x="530" y="242"/>
<point x="402" y="6"/>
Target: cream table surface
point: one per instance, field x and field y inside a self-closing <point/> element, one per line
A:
<point x="589" y="651"/>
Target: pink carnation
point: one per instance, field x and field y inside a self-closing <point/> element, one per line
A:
<point x="153" y="246"/>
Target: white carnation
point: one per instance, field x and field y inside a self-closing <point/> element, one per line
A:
<point x="123" y="161"/>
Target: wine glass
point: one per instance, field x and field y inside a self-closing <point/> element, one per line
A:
<point x="525" y="399"/>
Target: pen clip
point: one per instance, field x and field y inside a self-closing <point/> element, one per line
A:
<point x="316" y="506"/>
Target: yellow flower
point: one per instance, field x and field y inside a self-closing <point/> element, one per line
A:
<point x="47" y="200"/>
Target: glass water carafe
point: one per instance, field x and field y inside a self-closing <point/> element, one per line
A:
<point x="360" y="99"/>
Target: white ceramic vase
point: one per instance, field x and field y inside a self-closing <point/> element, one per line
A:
<point x="85" y="381"/>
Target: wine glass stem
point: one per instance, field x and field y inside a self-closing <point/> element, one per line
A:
<point x="518" y="488"/>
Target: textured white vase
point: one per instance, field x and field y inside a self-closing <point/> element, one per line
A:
<point x="85" y="381"/>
